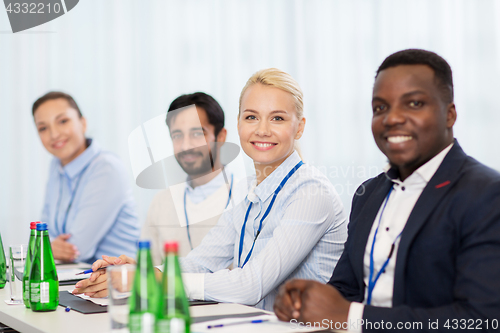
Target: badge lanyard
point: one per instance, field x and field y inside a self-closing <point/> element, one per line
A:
<point x="186" y="214"/>
<point x="73" y="195"/>
<point x="242" y="235"/>
<point x="371" y="281"/>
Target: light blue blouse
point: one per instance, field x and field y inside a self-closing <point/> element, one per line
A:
<point x="302" y="237"/>
<point x="90" y="198"/>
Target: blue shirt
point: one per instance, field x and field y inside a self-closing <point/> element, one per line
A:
<point x="201" y="192"/>
<point x="302" y="237"/>
<point x="90" y="199"/>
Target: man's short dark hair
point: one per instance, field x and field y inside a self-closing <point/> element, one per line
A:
<point x="442" y="70"/>
<point x="206" y="102"/>
<point x="55" y="95"/>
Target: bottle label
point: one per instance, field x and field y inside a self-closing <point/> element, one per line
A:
<point x="173" y="325"/>
<point x="35" y="292"/>
<point x="26" y="290"/>
<point x="177" y="325"/>
<point x="44" y="292"/>
<point x="142" y="323"/>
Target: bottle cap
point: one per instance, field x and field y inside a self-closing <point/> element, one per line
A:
<point x="144" y="244"/>
<point x="41" y="226"/>
<point x="172" y="246"/>
<point x="33" y="224"/>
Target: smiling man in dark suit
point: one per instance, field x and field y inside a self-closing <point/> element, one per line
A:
<point x="423" y="250"/>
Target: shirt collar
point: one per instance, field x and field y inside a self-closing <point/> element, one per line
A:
<point x="75" y="167"/>
<point x="268" y="186"/>
<point x="208" y="188"/>
<point x="425" y="171"/>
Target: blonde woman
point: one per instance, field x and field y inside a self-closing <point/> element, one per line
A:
<point x="291" y="223"/>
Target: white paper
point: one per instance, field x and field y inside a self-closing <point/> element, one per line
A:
<point x="100" y="301"/>
<point x="67" y="274"/>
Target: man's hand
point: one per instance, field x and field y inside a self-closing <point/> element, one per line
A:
<point x="310" y="301"/>
<point x="96" y="285"/>
<point x="63" y="250"/>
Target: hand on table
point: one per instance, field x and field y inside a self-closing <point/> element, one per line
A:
<point x="96" y="285"/>
<point x="63" y="250"/>
<point x="310" y="301"/>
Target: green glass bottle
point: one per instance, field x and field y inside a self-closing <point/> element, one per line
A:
<point x="173" y="309"/>
<point x="44" y="285"/>
<point x="3" y="266"/>
<point x="27" y="267"/>
<point x="145" y="293"/>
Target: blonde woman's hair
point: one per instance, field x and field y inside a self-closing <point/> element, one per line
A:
<point x="276" y="78"/>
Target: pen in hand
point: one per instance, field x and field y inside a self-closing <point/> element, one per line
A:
<point x="90" y="271"/>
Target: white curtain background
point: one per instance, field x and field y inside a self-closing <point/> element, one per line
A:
<point x="124" y="61"/>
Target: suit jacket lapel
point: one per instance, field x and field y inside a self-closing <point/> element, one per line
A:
<point x="439" y="185"/>
<point x="364" y="223"/>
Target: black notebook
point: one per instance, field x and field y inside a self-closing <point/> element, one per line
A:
<point x="79" y="304"/>
<point x="88" y="307"/>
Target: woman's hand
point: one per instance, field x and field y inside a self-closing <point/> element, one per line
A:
<point x="63" y="250"/>
<point x="96" y="285"/>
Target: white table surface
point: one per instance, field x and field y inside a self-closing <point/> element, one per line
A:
<point x="24" y="320"/>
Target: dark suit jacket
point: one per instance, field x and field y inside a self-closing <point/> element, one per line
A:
<point x="448" y="261"/>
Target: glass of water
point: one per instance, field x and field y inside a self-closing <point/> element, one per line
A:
<point x="17" y="261"/>
<point x="120" y="282"/>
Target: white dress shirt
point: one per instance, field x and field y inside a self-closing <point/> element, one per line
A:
<point x="399" y="205"/>
<point x="302" y="237"/>
<point x="202" y="192"/>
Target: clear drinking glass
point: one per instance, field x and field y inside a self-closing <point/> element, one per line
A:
<point x="17" y="261"/>
<point x="120" y="283"/>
